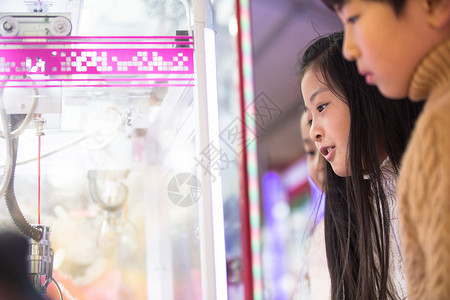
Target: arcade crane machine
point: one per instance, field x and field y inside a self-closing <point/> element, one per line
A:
<point x="109" y="125"/>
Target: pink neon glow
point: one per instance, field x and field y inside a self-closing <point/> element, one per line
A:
<point x="96" y="61"/>
<point x="99" y="43"/>
<point x="29" y="37"/>
<point x="96" y="79"/>
<point x="101" y="85"/>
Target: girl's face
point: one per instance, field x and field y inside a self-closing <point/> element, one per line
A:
<point x="315" y="161"/>
<point x="329" y="119"/>
<point x="386" y="47"/>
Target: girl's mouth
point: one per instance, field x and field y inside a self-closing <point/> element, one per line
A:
<point x="327" y="152"/>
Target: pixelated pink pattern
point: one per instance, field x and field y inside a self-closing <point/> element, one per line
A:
<point x="96" y="61"/>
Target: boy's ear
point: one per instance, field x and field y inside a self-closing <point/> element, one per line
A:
<point x="438" y="13"/>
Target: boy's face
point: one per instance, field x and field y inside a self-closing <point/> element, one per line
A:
<point x="386" y="47"/>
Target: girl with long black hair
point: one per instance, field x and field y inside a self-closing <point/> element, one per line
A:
<point x="362" y="135"/>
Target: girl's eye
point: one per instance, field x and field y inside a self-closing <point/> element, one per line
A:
<point x="310" y="153"/>
<point x="320" y="108"/>
<point x="352" y="19"/>
<point x="309" y="122"/>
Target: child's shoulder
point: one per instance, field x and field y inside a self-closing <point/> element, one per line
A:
<point x="430" y="135"/>
<point x="435" y="116"/>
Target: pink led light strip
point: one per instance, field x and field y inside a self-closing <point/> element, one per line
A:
<point x="99" y="38"/>
<point x="18" y="59"/>
<point x="98" y="61"/>
<point x="101" y="85"/>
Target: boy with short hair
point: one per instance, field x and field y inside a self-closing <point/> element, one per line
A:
<point x="403" y="47"/>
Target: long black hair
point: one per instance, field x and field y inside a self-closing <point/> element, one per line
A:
<point x="357" y="215"/>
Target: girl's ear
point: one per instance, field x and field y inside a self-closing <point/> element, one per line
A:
<point x="438" y="13"/>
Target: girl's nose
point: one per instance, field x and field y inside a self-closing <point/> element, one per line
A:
<point x="315" y="133"/>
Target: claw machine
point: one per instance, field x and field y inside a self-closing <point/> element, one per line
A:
<point x="109" y="128"/>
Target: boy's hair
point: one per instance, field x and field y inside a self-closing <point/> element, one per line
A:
<point x="357" y="219"/>
<point x="396" y="4"/>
